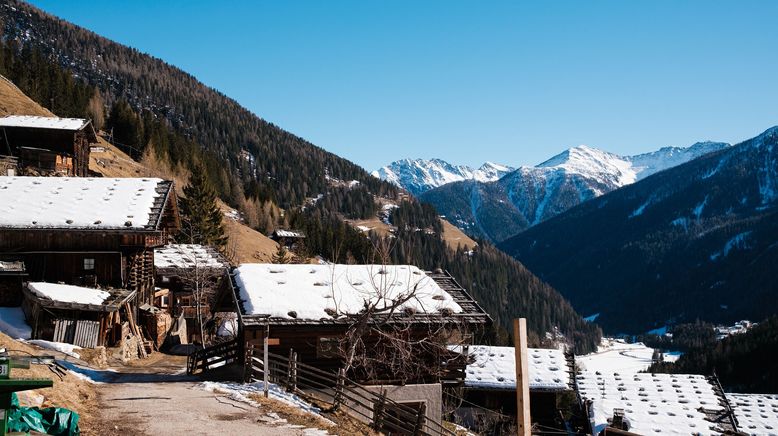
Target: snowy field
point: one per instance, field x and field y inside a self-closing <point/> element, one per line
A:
<point x="615" y="355"/>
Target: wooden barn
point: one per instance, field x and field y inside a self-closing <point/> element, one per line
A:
<point x="93" y="232"/>
<point x="181" y="270"/>
<point x="44" y="146"/>
<point x="287" y="238"/>
<point x="489" y="391"/>
<point x="309" y="308"/>
<point x="86" y="317"/>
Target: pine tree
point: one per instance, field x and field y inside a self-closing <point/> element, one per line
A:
<point x="281" y="255"/>
<point x="201" y="217"/>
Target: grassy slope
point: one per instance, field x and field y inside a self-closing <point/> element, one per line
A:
<point x="14" y="102"/>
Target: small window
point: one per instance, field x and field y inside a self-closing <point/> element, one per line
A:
<point x="327" y="347"/>
<point x="89" y="264"/>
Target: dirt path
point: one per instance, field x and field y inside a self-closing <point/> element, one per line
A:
<point x="152" y="400"/>
<point x="179" y="408"/>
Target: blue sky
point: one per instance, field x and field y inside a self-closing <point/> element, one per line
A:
<point x="511" y="82"/>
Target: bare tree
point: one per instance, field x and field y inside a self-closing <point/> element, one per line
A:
<point x="387" y="338"/>
<point x="201" y="278"/>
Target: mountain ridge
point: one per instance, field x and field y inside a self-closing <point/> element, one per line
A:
<point x="693" y="241"/>
<point x="527" y="196"/>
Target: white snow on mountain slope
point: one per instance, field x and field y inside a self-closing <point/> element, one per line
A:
<point x="420" y="175"/>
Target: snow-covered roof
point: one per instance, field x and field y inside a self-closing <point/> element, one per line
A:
<point x="80" y="202"/>
<point x="679" y="404"/>
<point x="756" y="414"/>
<point x="68" y="293"/>
<point x="188" y="256"/>
<point x="43" y="122"/>
<point x="281" y="233"/>
<point x="309" y="292"/>
<point x="495" y="368"/>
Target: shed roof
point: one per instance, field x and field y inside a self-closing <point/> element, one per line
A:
<point x="82" y="203"/>
<point x="676" y="404"/>
<point x="757" y="414"/>
<point x="48" y="123"/>
<point x="61" y="296"/>
<point x="183" y="256"/>
<point x="300" y="294"/>
<point x="38" y="122"/>
<point x="281" y="233"/>
<point x="495" y="368"/>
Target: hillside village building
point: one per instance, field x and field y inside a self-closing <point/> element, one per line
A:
<point x="181" y="272"/>
<point x="306" y="307"/>
<point x="45" y="146"/>
<point x="641" y="403"/>
<point x="490" y="384"/>
<point x="90" y="232"/>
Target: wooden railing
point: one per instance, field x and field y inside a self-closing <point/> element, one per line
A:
<point x="334" y="391"/>
<point x="213" y="357"/>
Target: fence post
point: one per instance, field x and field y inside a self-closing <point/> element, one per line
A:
<point x="337" y="398"/>
<point x="421" y="419"/>
<point x="291" y="371"/>
<point x="378" y="411"/>
<point x="248" y="366"/>
<point x="265" y="368"/>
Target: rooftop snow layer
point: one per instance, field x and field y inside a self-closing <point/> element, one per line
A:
<point x="76" y="202"/>
<point x="756" y="414"/>
<point x="652" y="403"/>
<point x="187" y="256"/>
<point x="310" y="291"/>
<point x="288" y="234"/>
<point x="43" y="122"/>
<point x="68" y="293"/>
<point x="495" y="368"/>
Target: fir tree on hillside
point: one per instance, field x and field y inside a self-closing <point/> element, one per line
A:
<point x="281" y="255"/>
<point x="201" y="217"/>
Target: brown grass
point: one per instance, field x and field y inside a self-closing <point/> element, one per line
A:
<point x="345" y="425"/>
<point x="247" y="245"/>
<point x="14" y="102"/>
<point x="69" y="392"/>
<point x="455" y="237"/>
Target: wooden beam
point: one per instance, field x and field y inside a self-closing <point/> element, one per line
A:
<point x="523" y="423"/>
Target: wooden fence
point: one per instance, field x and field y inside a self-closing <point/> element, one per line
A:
<point x="214" y="357"/>
<point x="333" y="391"/>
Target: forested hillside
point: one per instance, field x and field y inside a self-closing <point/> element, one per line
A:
<point x="153" y="107"/>
<point x="746" y="362"/>
<point x="698" y="241"/>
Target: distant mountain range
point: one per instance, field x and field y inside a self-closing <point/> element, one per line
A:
<point x="501" y="208"/>
<point x="699" y="240"/>
<point x="420" y="175"/>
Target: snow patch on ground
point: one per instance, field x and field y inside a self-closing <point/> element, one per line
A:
<point x="95" y="376"/>
<point x="697" y="212"/>
<point x="13" y="324"/>
<point x="592" y="318"/>
<point x="241" y="392"/>
<point x="615" y="355"/>
<point x="63" y="348"/>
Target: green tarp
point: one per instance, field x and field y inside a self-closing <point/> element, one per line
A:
<point x="50" y="420"/>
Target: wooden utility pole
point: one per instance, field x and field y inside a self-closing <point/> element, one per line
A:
<point x="523" y="424"/>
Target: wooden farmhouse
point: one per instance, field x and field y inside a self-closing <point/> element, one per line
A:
<point x="182" y="271"/>
<point x="490" y="387"/>
<point x="90" y="232"/>
<point x="308" y="308"/>
<point x="45" y="146"/>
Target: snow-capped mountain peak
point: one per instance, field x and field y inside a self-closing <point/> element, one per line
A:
<point x="593" y="163"/>
<point x="421" y="175"/>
